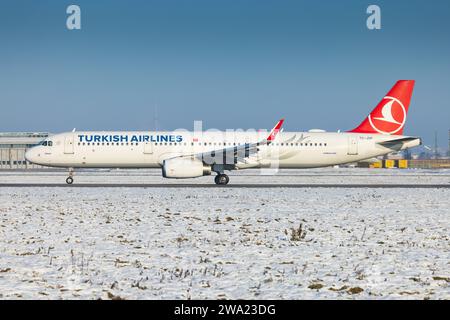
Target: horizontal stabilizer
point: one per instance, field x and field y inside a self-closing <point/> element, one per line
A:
<point x="397" y="141"/>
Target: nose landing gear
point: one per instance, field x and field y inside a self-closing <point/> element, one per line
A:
<point x="221" y="179"/>
<point x="69" y="179"/>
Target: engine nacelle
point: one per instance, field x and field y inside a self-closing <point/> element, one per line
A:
<point x="180" y="168"/>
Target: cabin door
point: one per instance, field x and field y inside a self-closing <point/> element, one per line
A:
<point x="68" y="144"/>
<point x="352" y="145"/>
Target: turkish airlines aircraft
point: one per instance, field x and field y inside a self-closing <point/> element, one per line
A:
<point x="183" y="154"/>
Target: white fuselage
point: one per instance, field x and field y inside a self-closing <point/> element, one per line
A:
<point x="150" y="149"/>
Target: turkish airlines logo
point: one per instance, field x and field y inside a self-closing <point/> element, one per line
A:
<point x="391" y="118"/>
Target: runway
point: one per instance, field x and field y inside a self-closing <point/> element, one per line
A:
<point x="289" y="178"/>
<point x="192" y="185"/>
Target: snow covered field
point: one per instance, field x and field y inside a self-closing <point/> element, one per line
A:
<point x="202" y="243"/>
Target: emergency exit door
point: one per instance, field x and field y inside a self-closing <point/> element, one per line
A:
<point x="148" y="148"/>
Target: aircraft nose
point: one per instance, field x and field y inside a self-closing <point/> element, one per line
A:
<point x="30" y="155"/>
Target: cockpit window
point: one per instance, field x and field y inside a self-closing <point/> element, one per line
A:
<point x="47" y="143"/>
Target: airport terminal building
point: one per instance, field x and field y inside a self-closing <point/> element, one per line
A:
<point x="13" y="146"/>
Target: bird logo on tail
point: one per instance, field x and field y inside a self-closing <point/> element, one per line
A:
<point x="391" y="119"/>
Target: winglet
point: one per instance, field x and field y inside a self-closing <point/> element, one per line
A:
<point x="275" y="131"/>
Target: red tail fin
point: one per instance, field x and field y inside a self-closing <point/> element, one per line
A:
<point x="389" y="116"/>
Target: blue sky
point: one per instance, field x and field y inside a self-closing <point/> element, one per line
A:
<point x="232" y="64"/>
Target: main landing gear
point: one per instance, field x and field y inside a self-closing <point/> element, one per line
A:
<point x="221" y="179"/>
<point x="69" y="179"/>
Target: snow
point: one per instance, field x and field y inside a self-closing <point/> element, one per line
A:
<point x="179" y="243"/>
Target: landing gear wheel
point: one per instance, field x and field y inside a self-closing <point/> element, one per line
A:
<point x="69" y="180"/>
<point x="221" y="179"/>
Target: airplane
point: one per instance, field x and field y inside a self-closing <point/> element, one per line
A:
<point x="184" y="154"/>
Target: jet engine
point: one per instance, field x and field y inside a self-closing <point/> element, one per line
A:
<point x="180" y="168"/>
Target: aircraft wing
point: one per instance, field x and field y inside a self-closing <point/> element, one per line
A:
<point x="236" y="154"/>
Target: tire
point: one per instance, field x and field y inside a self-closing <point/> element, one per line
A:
<point x="69" y="180"/>
<point x="221" y="179"/>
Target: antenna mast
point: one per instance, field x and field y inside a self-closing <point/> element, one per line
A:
<point x="435" y="145"/>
